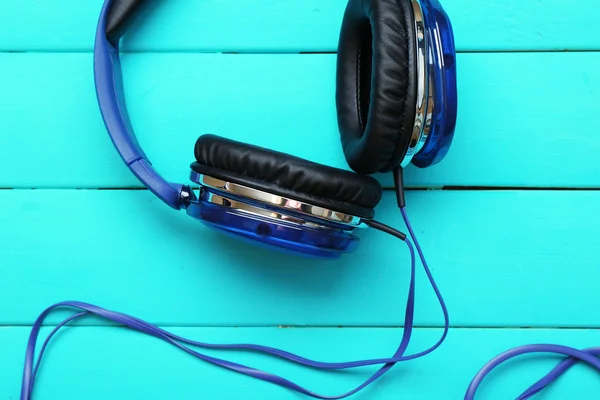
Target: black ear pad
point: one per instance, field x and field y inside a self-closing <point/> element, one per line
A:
<point x="285" y="175"/>
<point x="376" y="83"/>
<point x="122" y="14"/>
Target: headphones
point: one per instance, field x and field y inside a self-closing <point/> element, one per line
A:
<point x="396" y="101"/>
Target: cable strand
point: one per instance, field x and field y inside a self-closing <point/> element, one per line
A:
<point x="30" y="369"/>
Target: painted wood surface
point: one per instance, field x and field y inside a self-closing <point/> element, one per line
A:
<point x="514" y="128"/>
<point x="114" y="363"/>
<point x="290" y="25"/>
<point x="501" y="258"/>
<point x="508" y="221"/>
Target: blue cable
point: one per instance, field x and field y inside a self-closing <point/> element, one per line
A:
<point x="588" y="356"/>
<point x="575" y="355"/>
<point x="31" y="368"/>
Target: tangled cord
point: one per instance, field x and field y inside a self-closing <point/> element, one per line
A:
<point x="31" y="368"/>
<point x="574" y="355"/>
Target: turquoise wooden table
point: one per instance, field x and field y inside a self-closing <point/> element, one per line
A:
<point x="509" y="220"/>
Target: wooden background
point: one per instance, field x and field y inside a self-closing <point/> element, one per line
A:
<point x="510" y="225"/>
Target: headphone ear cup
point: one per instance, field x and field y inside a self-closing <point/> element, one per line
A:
<point x="376" y="83"/>
<point x="286" y="175"/>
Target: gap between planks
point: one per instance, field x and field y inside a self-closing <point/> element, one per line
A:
<point x="442" y="188"/>
<point x="274" y="52"/>
<point x="348" y="327"/>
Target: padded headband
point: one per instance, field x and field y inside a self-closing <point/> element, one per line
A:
<point x="121" y="14"/>
<point x="114" y="18"/>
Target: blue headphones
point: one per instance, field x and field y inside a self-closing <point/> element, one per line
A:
<point x="396" y="103"/>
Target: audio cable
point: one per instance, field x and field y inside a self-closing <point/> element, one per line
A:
<point x="184" y="344"/>
<point x="589" y="356"/>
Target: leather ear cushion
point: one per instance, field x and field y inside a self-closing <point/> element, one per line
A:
<point x="376" y="83"/>
<point x="121" y="15"/>
<point x="285" y="175"/>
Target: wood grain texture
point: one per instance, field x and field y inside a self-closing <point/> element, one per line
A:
<point x="290" y="25"/>
<point x="513" y="265"/>
<point x="113" y="363"/>
<point x="501" y="259"/>
<point x="517" y="126"/>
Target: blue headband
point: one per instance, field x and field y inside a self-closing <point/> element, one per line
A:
<point x="109" y="89"/>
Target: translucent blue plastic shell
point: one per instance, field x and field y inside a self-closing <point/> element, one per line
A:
<point x="277" y="235"/>
<point x="442" y="62"/>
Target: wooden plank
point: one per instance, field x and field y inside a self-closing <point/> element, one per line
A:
<point x="501" y="258"/>
<point x="290" y="25"/>
<point x="508" y="114"/>
<point x="80" y="362"/>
